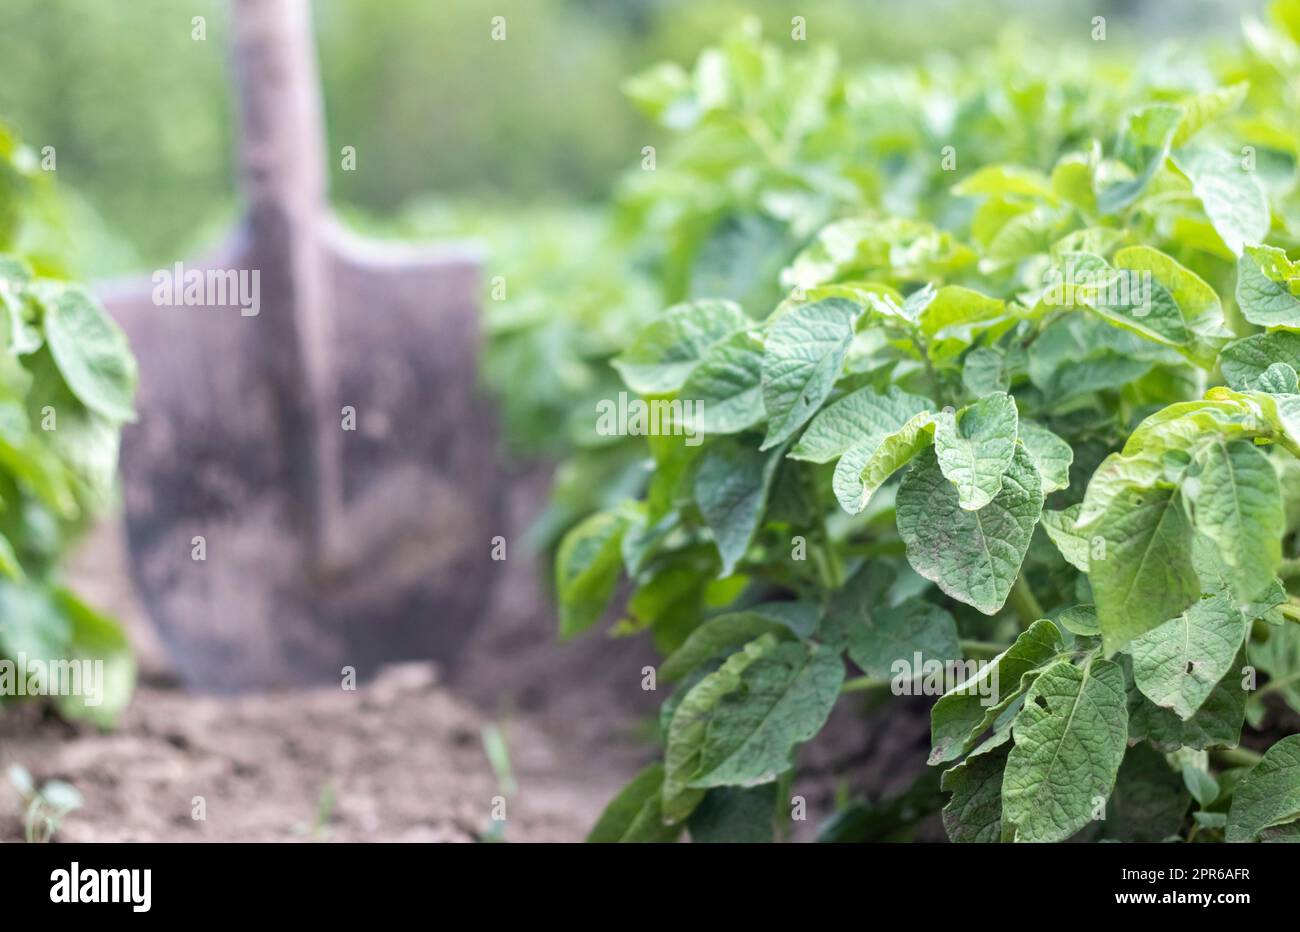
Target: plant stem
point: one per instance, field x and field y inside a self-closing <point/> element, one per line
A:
<point x="1291" y="611"/>
<point x="924" y="350"/>
<point x="1289" y="568"/>
<point x="830" y="567"/>
<point x="1236" y="757"/>
<point x="1273" y="686"/>
<point x="992" y="648"/>
<point x="864" y="684"/>
<point x="1025" y="604"/>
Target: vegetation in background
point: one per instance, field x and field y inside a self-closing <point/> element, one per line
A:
<point x="67" y="383"/>
<point x="142" y="114"/>
<point x="998" y="363"/>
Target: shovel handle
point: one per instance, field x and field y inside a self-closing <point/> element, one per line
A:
<point x="282" y="164"/>
<point x="282" y="138"/>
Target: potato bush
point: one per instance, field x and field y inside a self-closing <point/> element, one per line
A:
<point x="995" y="365"/>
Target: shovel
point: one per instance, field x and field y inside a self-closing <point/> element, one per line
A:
<point x="312" y="483"/>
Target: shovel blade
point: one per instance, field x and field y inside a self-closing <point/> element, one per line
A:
<point x="221" y="545"/>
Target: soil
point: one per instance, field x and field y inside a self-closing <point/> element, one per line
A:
<point x="401" y="758"/>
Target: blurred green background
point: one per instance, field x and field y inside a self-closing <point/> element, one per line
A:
<point x="446" y="122"/>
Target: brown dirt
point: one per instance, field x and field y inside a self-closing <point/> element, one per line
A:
<point x="402" y="758"/>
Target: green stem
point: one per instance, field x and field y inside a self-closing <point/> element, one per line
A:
<point x="864" y="684"/>
<point x="923" y="349"/>
<point x="1291" y="611"/>
<point x="1289" y="568"/>
<point x="1273" y="686"/>
<point x="831" y="568"/>
<point x="990" y="648"/>
<point x="1024" y="603"/>
<point x="1236" y="757"/>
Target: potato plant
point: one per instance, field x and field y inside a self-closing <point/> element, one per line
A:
<point x="997" y="374"/>
<point x="67" y="383"/>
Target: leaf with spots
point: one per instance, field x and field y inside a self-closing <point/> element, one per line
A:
<point x="974" y="447"/>
<point x="1070" y="738"/>
<point x="802" y="357"/>
<point x="1178" y="664"/>
<point x="974" y="556"/>
<point x="783" y="699"/>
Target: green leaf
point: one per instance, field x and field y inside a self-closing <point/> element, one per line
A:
<point x="857" y="417"/>
<point x="1239" y="508"/>
<point x="1070" y="738"/>
<point x="1145" y="308"/>
<point x="800" y="618"/>
<point x="731" y="814"/>
<point x="718" y="636"/>
<point x="663" y="91"/>
<point x="868" y="464"/>
<point x="884" y="636"/>
<point x="1203" y="787"/>
<point x="1150" y="130"/>
<point x="9" y="564"/>
<point x="1279" y="379"/>
<point x="974" y="813"/>
<point x="1149" y="802"/>
<point x="984" y="371"/>
<point x="633" y="814"/>
<point x="92" y="353"/>
<point x="1142" y="575"/>
<point x="1244" y="361"/>
<point x="1269" y="795"/>
<point x="31" y="623"/>
<point x="587" y="567"/>
<point x="85" y="441"/>
<point x="866" y="248"/>
<point x="1051" y="455"/>
<point x="955" y="307"/>
<point x="974" y="556"/>
<point x="1230" y="195"/>
<point x="802" y="358"/>
<point x="96" y="637"/>
<point x="727" y="384"/>
<point x="1263" y="291"/>
<point x="784" y="699"/>
<point x="731" y="487"/>
<point x="1078" y="355"/>
<point x="1073" y="545"/>
<point x="1216" y="724"/>
<point x="1278" y="655"/>
<point x="1178" y="664"/>
<point x="690" y="724"/>
<point x="662" y="356"/>
<point x="1198" y="304"/>
<point x="975" y="446"/>
<point x="865" y="592"/>
<point x="962" y="714"/>
<point x="1080" y="620"/>
<point x="1006" y="179"/>
<point x="1200" y="110"/>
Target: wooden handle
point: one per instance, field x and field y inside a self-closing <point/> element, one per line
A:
<point x="282" y="139"/>
<point x="283" y="171"/>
